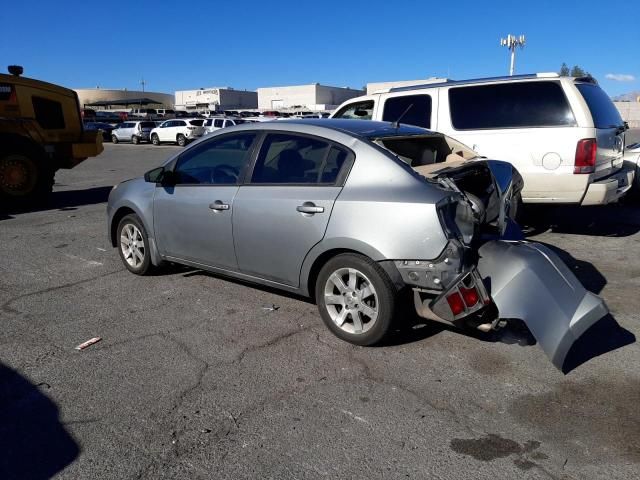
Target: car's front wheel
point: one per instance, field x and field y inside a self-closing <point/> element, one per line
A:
<point x="356" y="299"/>
<point x="155" y="139"/>
<point x="181" y="139"/>
<point x="133" y="245"/>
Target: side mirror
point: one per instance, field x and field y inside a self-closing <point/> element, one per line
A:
<point x="158" y="175"/>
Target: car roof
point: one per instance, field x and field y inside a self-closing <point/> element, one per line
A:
<point x="361" y="128"/>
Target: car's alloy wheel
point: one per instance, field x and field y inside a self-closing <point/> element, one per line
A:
<point x="182" y="141"/>
<point x="135" y="140"/>
<point x="133" y="245"/>
<point x="356" y="298"/>
<point x="114" y="139"/>
<point x="351" y="300"/>
<point x="154" y="139"/>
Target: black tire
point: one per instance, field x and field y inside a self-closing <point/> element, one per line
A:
<point x="114" y="139"/>
<point x="135" y="140"/>
<point x="181" y="140"/>
<point x="385" y="299"/>
<point x="26" y="178"/>
<point x="155" y="139"/>
<point x="144" y="267"/>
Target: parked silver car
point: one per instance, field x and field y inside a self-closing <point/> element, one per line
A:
<point x="134" y="132"/>
<point x="351" y="213"/>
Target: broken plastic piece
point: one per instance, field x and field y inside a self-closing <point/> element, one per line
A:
<point x="88" y="343"/>
<point x="272" y="308"/>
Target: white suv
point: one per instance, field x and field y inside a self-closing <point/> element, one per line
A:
<point x="563" y="134"/>
<point x="180" y="131"/>
<point x="216" y="123"/>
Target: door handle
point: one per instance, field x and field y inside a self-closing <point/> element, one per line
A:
<point x="218" y="206"/>
<point x="309" y="207"/>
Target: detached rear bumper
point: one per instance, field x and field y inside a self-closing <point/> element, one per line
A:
<point x="527" y="281"/>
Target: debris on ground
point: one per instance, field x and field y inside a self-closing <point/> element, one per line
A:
<point x="88" y="343"/>
<point x="271" y="308"/>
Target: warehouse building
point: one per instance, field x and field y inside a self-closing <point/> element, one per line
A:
<point x="313" y="97"/>
<point x="215" y="99"/>
<point x="119" y="98"/>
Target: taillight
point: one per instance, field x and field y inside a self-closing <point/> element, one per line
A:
<point x="191" y="128"/>
<point x="586" y="156"/>
<point x="455" y="303"/>
<point x="470" y="296"/>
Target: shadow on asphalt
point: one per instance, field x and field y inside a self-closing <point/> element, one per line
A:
<point x="602" y="337"/>
<point x="65" y="200"/>
<point x="615" y="220"/>
<point x="33" y="442"/>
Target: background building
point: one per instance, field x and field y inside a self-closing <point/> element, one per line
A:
<point x="92" y="95"/>
<point x="375" y="86"/>
<point x="217" y="98"/>
<point x="311" y="97"/>
<point x="630" y="112"/>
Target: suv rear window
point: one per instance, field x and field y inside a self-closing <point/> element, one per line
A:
<point x="197" y="123"/>
<point x="604" y="112"/>
<point x="414" y="110"/>
<point x="509" y="105"/>
<point x="147" y="125"/>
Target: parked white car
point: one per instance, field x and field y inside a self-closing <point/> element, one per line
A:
<point x="134" y="132"/>
<point x="216" y="123"/>
<point x="563" y="134"/>
<point x="180" y="131"/>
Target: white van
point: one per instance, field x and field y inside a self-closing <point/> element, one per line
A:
<point x="563" y="134"/>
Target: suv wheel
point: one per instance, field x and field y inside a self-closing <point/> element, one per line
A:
<point x="181" y="139"/>
<point x="135" y="140"/>
<point x="133" y="245"/>
<point x="356" y="299"/>
<point x="114" y="139"/>
<point x="154" y="139"/>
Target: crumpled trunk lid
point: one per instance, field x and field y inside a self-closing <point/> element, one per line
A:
<point x="529" y="282"/>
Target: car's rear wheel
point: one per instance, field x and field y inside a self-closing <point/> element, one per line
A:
<point x="155" y="139"/>
<point x="135" y="140"/>
<point x="133" y="245"/>
<point x="356" y="299"/>
<point x="181" y="139"/>
<point x="114" y="139"/>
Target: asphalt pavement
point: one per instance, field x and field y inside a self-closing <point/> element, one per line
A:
<point x="198" y="376"/>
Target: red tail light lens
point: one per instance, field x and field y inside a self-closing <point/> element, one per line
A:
<point x="586" y="156"/>
<point x="470" y="296"/>
<point x="455" y="303"/>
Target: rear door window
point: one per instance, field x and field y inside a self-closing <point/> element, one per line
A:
<point x="409" y="109"/>
<point x="509" y="105"/>
<point x="48" y="113"/>
<point x="294" y="159"/>
<point x="217" y="123"/>
<point x="358" y="110"/>
<point x="604" y="112"/>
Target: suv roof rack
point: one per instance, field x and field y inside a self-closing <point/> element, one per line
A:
<point x="475" y="80"/>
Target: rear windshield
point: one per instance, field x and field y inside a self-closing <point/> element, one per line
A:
<point x="604" y="112"/>
<point x="509" y="105"/>
<point x="147" y="124"/>
<point x="197" y="123"/>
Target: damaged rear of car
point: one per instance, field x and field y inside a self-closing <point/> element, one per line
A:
<point x="487" y="275"/>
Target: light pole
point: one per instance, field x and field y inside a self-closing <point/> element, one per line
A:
<point x="143" y="83"/>
<point x="511" y="42"/>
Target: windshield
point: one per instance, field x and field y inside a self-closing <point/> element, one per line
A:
<point x="604" y="112"/>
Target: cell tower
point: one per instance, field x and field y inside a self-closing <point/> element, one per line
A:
<point x="511" y="42"/>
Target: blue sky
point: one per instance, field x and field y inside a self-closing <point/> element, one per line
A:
<point x="248" y="44"/>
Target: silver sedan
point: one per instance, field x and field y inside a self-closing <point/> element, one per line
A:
<point x="352" y="213"/>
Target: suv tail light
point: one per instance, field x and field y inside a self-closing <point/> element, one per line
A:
<point x="586" y="156"/>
